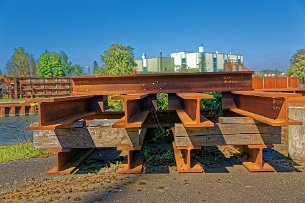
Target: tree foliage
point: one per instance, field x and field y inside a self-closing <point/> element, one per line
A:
<point x="297" y="65"/>
<point x="77" y="70"/>
<point x="54" y="64"/>
<point x="21" y="64"/>
<point x="96" y="69"/>
<point x="1" y="74"/>
<point x="118" y="60"/>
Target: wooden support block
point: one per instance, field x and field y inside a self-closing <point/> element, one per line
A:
<point x="255" y="162"/>
<point x="67" y="160"/>
<point x="99" y="135"/>
<point x="183" y="160"/>
<point x="227" y="134"/>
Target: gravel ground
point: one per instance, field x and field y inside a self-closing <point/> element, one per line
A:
<point x="224" y="180"/>
<point x="236" y="186"/>
<point x="18" y="172"/>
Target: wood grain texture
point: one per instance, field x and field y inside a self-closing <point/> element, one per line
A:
<point x="227" y="134"/>
<point x="102" y="135"/>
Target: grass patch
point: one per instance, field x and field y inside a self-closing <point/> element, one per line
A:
<point x="21" y="151"/>
<point x="11" y="99"/>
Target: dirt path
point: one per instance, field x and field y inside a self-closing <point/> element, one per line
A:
<point x="225" y="179"/>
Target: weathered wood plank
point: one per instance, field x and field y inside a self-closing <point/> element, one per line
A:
<point x="102" y="135"/>
<point x="237" y="120"/>
<point x="228" y="129"/>
<point x="224" y="134"/>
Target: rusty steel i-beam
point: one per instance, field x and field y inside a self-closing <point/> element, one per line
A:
<point x="89" y="102"/>
<point x="162" y="83"/>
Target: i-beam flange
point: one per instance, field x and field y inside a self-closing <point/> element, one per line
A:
<point x="132" y="163"/>
<point x="255" y="161"/>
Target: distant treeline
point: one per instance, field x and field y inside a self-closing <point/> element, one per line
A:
<point x="118" y="59"/>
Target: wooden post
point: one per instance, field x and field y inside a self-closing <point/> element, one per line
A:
<point x="15" y="88"/>
<point x="12" y="111"/>
<point x="31" y="110"/>
<point x="22" y="110"/>
<point x="2" y="111"/>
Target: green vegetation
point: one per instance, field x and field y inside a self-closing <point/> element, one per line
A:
<point x="213" y="106"/>
<point x="297" y="65"/>
<point x="1" y="74"/>
<point x="115" y="104"/>
<point x="77" y="70"/>
<point x="20" y="151"/>
<point x="53" y="64"/>
<point x="118" y="60"/>
<point x="155" y="158"/>
<point x="49" y="65"/>
<point x="160" y="133"/>
<point x="11" y="100"/>
<point x="96" y="69"/>
<point x="185" y="69"/>
<point x="162" y="101"/>
<point x="21" y="64"/>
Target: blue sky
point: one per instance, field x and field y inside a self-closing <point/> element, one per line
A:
<point x="267" y="33"/>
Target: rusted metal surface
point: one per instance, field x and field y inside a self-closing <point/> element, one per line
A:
<point x="136" y="108"/>
<point x="132" y="164"/>
<point x="183" y="159"/>
<point x="296" y="100"/>
<point x="63" y="111"/>
<point x="275" y="82"/>
<point x="17" y="109"/>
<point x="255" y="161"/>
<point x="267" y="107"/>
<point x="31" y="87"/>
<point x="67" y="160"/>
<point x="190" y="113"/>
<point x="165" y="83"/>
<point x="288" y="90"/>
<point x="138" y="93"/>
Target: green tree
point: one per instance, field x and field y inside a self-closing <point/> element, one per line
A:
<point x="33" y="66"/>
<point x="77" y="70"/>
<point x="118" y="60"/>
<point x="1" y="74"/>
<point x="297" y="65"/>
<point x="54" y="64"/>
<point x="96" y="69"/>
<point x="65" y="64"/>
<point x="21" y="64"/>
